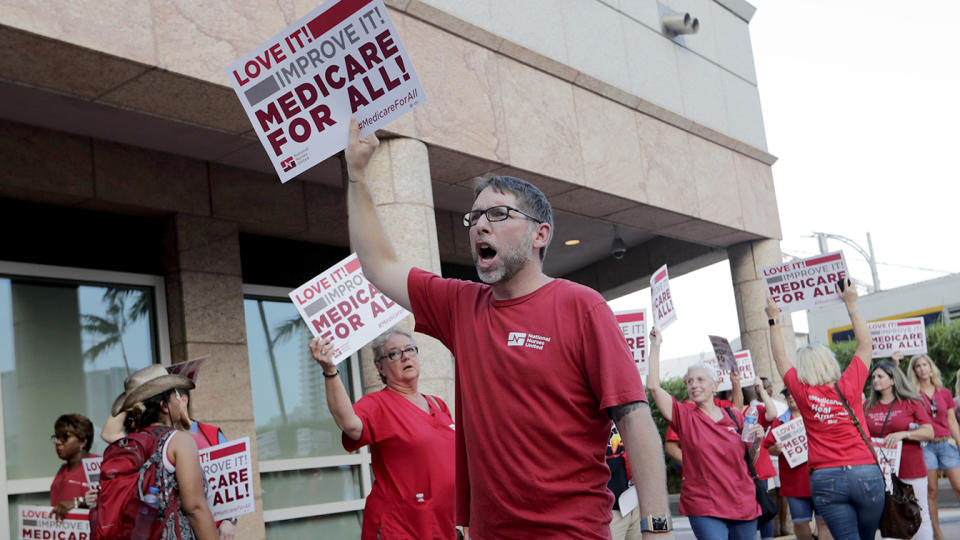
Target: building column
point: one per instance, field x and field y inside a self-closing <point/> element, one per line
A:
<point x="399" y="179"/>
<point x="746" y="263"/>
<point x="205" y="311"/>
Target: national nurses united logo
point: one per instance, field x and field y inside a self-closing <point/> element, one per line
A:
<point x="523" y="339"/>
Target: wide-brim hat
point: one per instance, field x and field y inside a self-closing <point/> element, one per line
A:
<point x="146" y="383"/>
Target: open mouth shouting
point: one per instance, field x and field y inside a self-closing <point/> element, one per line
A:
<point x="484" y="255"/>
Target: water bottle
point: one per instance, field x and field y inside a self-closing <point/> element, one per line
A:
<point x="749" y="420"/>
<point x="146" y="516"/>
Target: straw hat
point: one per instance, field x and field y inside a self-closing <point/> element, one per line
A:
<point x="146" y="383"/>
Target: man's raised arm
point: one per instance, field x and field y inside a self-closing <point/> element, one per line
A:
<point x="377" y="257"/>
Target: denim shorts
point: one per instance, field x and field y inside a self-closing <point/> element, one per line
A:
<point x="941" y="456"/>
<point x="801" y="509"/>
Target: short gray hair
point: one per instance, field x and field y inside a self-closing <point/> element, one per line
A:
<point x="712" y="373"/>
<point x="379" y="343"/>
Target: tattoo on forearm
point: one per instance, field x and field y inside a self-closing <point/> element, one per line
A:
<point x="617" y="413"/>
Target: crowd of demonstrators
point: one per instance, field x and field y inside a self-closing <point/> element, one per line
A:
<point x="717" y="490"/>
<point x="895" y="413"/>
<point x="542" y="368"/>
<point x="846" y="486"/>
<point x="73" y="436"/>
<point x="411" y="436"/>
<point x="940" y="454"/>
<point x="154" y="410"/>
<point x="795" y="481"/>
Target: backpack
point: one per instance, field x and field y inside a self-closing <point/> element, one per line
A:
<point x="130" y="467"/>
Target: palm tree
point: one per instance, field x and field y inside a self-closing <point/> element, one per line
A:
<point x="111" y="327"/>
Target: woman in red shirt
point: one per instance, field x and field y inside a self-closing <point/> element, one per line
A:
<point x="845" y="483"/>
<point x="411" y="436"/>
<point x="73" y="436"/>
<point x="795" y="483"/>
<point x="717" y="492"/>
<point x="895" y="413"/>
<point x="940" y="454"/>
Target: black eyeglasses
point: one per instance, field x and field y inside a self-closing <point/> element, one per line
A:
<point x="63" y="437"/>
<point x="396" y="355"/>
<point x="494" y="213"/>
<point x="933" y="408"/>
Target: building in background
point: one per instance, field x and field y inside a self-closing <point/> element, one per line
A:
<point x="134" y="195"/>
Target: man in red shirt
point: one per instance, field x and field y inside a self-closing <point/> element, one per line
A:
<point x="541" y="369"/>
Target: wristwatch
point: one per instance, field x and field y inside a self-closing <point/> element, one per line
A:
<point x="656" y="523"/>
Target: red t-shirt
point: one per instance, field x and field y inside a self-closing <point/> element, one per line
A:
<point x="713" y="463"/>
<point x="944" y="400"/>
<point x="534" y="378"/>
<point x="902" y="413"/>
<point x="832" y="439"/>
<point x="68" y="484"/>
<point x="671" y="434"/>
<point x="413" y="463"/>
<point x="793" y="482"/>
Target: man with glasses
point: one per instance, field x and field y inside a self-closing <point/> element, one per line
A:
<point x="541" y="369"/>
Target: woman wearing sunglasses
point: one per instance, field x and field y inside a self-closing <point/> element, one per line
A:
<point x="411" y="438"/>
<point x="941" y="453"/>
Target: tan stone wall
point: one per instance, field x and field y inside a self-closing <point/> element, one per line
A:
<point x="205" y="314"/>
<point x="399" y="177"/>
<point x="746" y="262"/>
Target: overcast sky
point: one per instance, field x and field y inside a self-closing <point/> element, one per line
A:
<point x="861" y="104"/>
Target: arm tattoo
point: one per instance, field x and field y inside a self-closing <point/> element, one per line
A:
<point x="617" y="412"/>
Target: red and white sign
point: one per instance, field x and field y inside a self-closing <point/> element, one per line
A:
<point x="909" y="336"/>
<point x="229" y="475"/>
<point x="806" y="284"/>
<point x="664" y="313"/>
<point x="792" y="437"/>
<point x="744" y="365"/>
<point x="633" y="325"/>
<point x="889" y="459"/>
<point x="35" y="522"/>
<point x="189" y="369"/>
<point x="748" y="375"/>
<point x="341" y="303"/>
<point x="723" y="352"/>
<point x="300" y="87"/>
<point x="91" y="469"/>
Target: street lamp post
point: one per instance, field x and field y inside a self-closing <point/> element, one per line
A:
<point x="871" y="260"/>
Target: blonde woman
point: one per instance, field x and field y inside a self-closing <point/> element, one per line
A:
<point x="845" y="483"/>
<point x="941" y="453"/>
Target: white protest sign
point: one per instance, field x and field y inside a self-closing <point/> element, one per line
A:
<point x="229" y="476"/>
<point x="793" y="441"/>
<point x="341" y="303"/>
<point x="300" y="87"/>
<point x="721" y="348"/>
<point x="633" y="325"/>
<point x="91" y="469"/>
<point x="745" y="364"/>
<point x="35" y="523"/>
<point x="909" y="336"/>
<point x="806" y="284"/>
<point x="628" y="499"/>
<point x="664" y="313"/>
<point x="189" y="369"/>
<point x="889" y="459"/>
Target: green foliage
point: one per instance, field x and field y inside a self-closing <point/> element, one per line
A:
<point x="678" y="390"/>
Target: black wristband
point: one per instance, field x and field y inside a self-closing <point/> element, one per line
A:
<point x="337" y="374"/>
<point x="771" y="322"/>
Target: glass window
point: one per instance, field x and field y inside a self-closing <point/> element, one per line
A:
<point x="345" y="525"/>
<point x="289" y="398"/>
<point x="65" y="348"/>
<point x="286" y="489"/>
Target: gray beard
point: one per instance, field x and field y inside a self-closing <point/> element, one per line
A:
<point x="511" y="262"/>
